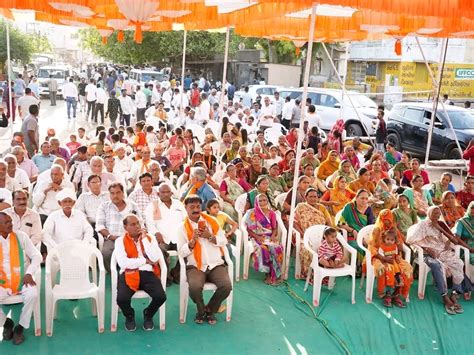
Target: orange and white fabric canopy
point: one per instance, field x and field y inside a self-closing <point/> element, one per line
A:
<point x="337" y="20"/>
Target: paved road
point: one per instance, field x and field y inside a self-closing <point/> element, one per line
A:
<point x="56" y="117"/>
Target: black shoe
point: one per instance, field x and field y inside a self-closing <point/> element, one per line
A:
<point x="147" y="322"/>
<point x="8" y="329"/>
<point x="130" y="325"/>
<point x="18" y="336"/>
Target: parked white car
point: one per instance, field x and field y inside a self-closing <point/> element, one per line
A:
<point x="328" y="104"/>
<point x="59" y="72"/>
<point x="256" y="90"/>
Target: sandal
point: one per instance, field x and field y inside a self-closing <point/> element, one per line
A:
<point x="211" y="319"/>
<point x="199" y="318"/>
<point x="458" y="309"/>
<point x="398" y="302"/>
<point x="387" y="301"/>
<point x="467" y="296"/>
<point x="449" y="309"/>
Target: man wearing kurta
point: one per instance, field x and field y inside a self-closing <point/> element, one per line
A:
<point x="19" y="260"/>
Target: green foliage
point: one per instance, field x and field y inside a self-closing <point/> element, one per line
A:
<point x="21" y="48"/>
<point x="39" y="43"/>
<point x="159" y="47"/>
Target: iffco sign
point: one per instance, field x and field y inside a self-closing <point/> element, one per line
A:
<point x="465" y="74"/>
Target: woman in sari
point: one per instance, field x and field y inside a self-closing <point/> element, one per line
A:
<point x="450" y="209"/>
<point x="285" y="163"/>
<point x="329" y="166"/>
<point x="229" y="190"/>
<point x="385" y="222"/>
<point x="261" y="187"/>
<point x="277" y="182"/>
<point x="314" y="182"/>
<point x="232" y="152"/>
<point x="303" y="185"/>
<point x="362" y="182"/>
<point x="438" y="242"/>
<point x="255" y="170"/>
<point x="307" y="214"/>
<point x="377" y="173"/>
<point x="347" y="171"/>
<point x="404" y="215"/>
<point x="262" y="227"/>
<point x="401" y="166"/>
<point x="466" y="195"/>
<point x="392" y="156"/>
<point x="438" y="188"/>
<point x="336" y="198"/>
<point x="465" y="229"/>
<point x="355" y="216"/>
<point x="419" y="198"/>
<point x="415" y="170"/>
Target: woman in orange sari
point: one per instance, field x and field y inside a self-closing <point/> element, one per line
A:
<point x="336" y="198"/>
<point x="450" y="209"/>
<point x="385" y="221"/>
<point x="329" y="166"/>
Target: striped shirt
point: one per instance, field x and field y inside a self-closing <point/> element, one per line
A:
<point x="142" y="199"/>
<point x="88" y="203"/>
<point x="327" y="252"/>
<point x="110" y="218"/>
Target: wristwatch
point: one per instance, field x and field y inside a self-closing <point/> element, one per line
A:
<point x="108" y="236"/>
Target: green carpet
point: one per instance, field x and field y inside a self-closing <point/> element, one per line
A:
<point x="267" y="320"/>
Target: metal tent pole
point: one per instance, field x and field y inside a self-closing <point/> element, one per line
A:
<point x="309" y="54"/>
<point x="183" y="65"/>
<point x="10" y="99"/>
<point x="344" y="91"/>
<point x="437" y="83"/>
<point x="221" y="99"/>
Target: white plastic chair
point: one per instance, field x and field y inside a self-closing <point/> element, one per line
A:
<point x="248" y="245"/>
<point x="423" y="268"/>
<point x="219" y="176"/>
<point x="138" y="294"/>
<point x="312" y="241"/>
<point x="179" y="182"/>
<point x="74" y="260"/>
<point x="236" y="251"/>
<point x="330" y="179"/>
<point x="184" y="288"/>
<point x="272" y="134"/>
<point x="337" y="218"/>
<point x="239" y="205"/>
<point x="280" y="199"/>
<point x="14" y="299"/>
<point x="362" y="239"/>
<point x="297" y="256"/>
<point x="214" y="126"/>
<point x="468" y="267"/>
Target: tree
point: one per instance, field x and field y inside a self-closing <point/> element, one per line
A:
<point x="157" y="47"/>
<point x="21" y="48"/>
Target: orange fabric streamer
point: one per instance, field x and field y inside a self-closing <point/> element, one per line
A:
<point x="398" y="47"/>
<point x="120" y="36"/>
<point x="138" y="33"/>
<point x="132" y="276"/>
<point x="197" y="250"/>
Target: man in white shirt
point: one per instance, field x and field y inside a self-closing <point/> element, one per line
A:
<point x="24" y="218"/>
<point x="109" y="164"/>
<point x="123" y="163"/>
<point x="128" y="108"/>
<point x="138" y="257"/>
<point x="71" y="96"/>
<point x="267" y="114"/>
<point x="89" y="202"/>
<point x="109" y="219"/>
<point x="140" y="104"/>
<point x="67" y="223"/>
<point x="13" y="276"/>
<point x="312" y="117"/>
<point x="18" y="175"/>
<point x="5" y="180"/>
<point x="287" y="112"/>
<point x="101" y="98"/>
<point x="25" y="102"/>
<point x="161" y="216"/>
<point x="203" y="263"/>
<point x="44" y="196"/>
<point x="91" y="97"/>
<point x="205" y="108"/>
<point x="278" y="103"/>
<point x="140" y="166"/>
<point x="25" y="164"/>
<point x="213" y="98"/>
<point x="96" y="168"/>
<point x="246" y="97"/>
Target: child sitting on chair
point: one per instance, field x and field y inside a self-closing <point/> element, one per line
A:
<point x="227" y="224"/>
<point x="330" y="252"/>
<point x="389" y="281"/>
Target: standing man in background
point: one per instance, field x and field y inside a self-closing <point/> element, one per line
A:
<point x="53" y="89"/>
<point x="70" y="94"/>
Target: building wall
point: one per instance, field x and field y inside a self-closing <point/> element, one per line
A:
<point x="413" y="77"/>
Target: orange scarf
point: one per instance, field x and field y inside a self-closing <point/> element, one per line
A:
<point x="193" y="189"/>
<point x="132" y="276"/>
<point x="16" y="266"/>
<point x="161" y="114"/>
<point x="145" y="166"/>
<point x="197" y="250"/>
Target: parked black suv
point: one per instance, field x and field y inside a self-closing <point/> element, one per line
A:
<point x="408" y="124"/>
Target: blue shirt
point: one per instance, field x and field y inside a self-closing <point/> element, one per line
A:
<point x="206" y="193"/>
<point x="43" y="162"/>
